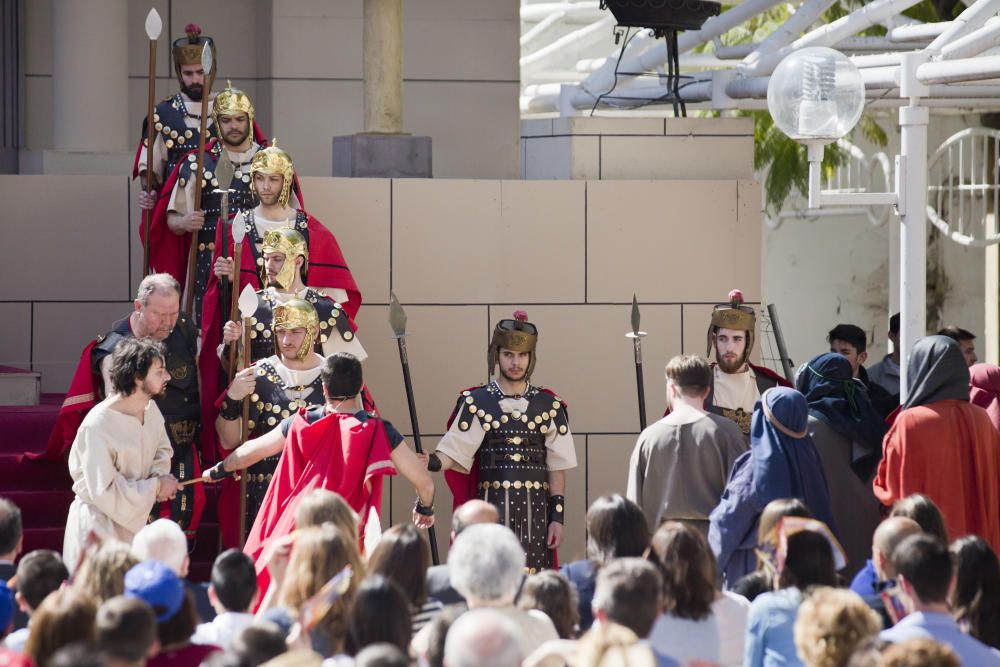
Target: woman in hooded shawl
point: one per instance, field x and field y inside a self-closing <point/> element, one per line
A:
<point x="782" y="463"/>
<point x="943" y="446"/>
<point x="847" y="432"/>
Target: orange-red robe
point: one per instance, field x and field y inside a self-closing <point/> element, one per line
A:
<point x="950" y="451"/>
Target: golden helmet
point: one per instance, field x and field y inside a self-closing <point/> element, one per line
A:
<point x="274" y="160"/>
<point x="292" y="244"/>
<point x="232" y="101"/>
<point x="293" y="314"/>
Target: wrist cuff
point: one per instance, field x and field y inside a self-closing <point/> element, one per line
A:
<point x="425" y="510"/>
<point x="231" y="409"/>
<point x="556" y="508"/>
<point x="433" y="463"/>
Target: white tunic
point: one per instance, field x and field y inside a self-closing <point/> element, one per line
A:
<point x="114" y="462"/>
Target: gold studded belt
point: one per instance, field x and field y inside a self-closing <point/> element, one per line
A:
<point x="507" y="484"/>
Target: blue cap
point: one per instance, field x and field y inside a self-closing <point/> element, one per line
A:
<point x="158" y="586"/>
<point x="6" y="607"/>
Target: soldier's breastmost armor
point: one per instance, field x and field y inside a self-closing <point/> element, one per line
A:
<point x="169" y="120"/>
<point x="513" y="476"/>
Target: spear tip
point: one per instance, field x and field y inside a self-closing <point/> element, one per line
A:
<point x="635" y="314"/>
<point x="154" y="25"/>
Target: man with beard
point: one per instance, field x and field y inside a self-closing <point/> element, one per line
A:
<point x="177" y="119"/>
<point x="120" y="458"/>
<point x="178" y="217"/>
<point x="278" y="386"/>
<point x="510" y="441"/>
<point x="736" y="383"/>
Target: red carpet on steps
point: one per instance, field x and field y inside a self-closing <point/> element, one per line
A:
<point x="42" y="489"/>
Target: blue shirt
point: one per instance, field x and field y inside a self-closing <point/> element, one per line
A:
<point x="943" y="628"/>
<point x="866" y="581"/>
<point x="770" y="622"/>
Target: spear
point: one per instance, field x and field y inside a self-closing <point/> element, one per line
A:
<point x="239" y="232"/>
<point x="224" y="175"/>
<point x="247" y="305"/>
<point x="207" y="64"/>
<point x="397" y="319"/>
<point x="153" y="27"/>
<point x="636" y="337"/>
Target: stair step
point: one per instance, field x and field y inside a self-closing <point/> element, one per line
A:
<point x="42" y="509"/>
<point x="19" y="387"/>
<point x="43" y="538"/>
<point x="17" y="473"/>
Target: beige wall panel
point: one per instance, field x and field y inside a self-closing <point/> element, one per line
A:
<point x="536" y="127"/>
<point x="447" y="351"/>
<point x="640" y="237"/>
<point x="607" y="469"/>
<point x="62" y="330"/>
<point x="709" y="126"/>
<point x="318" y="42"/>
<point x="357" y="211"/>
<point x="138" y="44"/>
<point x="37" y="37"/>
<point x="473" y="221"/>
<point x="577" y="158"/>
<point x="403" y="495"/>
<point x="37" y="112"/>
<point x="484" y="10"/>
<point x="474" y="126"/>
<point x="306" y="131"/>
<point x="231" y="23"/>
<point x="596" y="374"/>
<point x="574" y="546"/>
<point x="680" y="158"/>
<point x="749" y="218"/>
<point x="15" y="335"/>
<point x="478" y="50"/>
<point x="137" y="90"/>
<point x="62" y="240"/>
<point x="605" y="126"/>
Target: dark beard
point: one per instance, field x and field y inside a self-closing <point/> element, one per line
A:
<point x="243" y="137"/>
<point x="729" y="367"/>
<point x="194" y="92"/>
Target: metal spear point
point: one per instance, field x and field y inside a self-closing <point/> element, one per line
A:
<point x="397" y="320"/>
<point x="154" y="25"/>
<point x="637" y="337"/>
<point x="206" y="62"/>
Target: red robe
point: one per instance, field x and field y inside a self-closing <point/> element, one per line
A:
<point x="80" y="398"/>
<point x="950" y="451"/>
<point x="338" y="452"/>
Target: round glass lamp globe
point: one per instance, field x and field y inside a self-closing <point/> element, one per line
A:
<point x="816" y="95"/>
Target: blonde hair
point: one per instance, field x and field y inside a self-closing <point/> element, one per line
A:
<point x="102" y="574"/>
<point x="612" y="645"/>
<point x="318" y="554"/>
<point x="321" y="506"/>
<point x="831" y="624"/>
<point x="920" y="653"/>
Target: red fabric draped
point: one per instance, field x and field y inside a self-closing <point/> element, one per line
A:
<point x="80" y="398"/>
<point x="337" y="452"/>
<point x="984" y="383"/>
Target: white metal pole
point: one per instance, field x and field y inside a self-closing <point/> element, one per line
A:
<point x="913" y="234"/>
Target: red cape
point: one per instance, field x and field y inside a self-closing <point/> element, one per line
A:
<point x="80" y="398"/>
<point x="339" y="453"/>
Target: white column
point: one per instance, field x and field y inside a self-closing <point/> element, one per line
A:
<point x="90" y="76"/>
<point x="383" y="66"/>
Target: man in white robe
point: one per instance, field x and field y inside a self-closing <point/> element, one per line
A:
<point x="120" y="459"/>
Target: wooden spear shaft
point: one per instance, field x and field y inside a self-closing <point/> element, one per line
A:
<point x="244" y="433"/>
<point x="193" y="250"/>
<point x="150" y="133"/>
<point x="233" y="307"/>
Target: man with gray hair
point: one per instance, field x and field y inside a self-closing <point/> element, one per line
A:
<point x="486" y="563"/>
<point x="467" y="514"/>
<point x="156" y="315"/>
<point x="483" y="638"/>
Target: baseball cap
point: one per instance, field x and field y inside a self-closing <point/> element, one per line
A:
<point x="158" y="586"/>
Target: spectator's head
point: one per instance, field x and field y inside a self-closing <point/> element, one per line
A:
<point x="64" y="617"/>
<point x="38" y="574"/>
<point x="7" y="606"/>
<point x="628" y="592"/>
<point x="851" y="342"/>
<point x="82" y="654"/>
<point x="922" y="509"/>
<point x="318" y="555"/>
<point x="923" y="570"/>
<point x="321" y="506"/>
<point x="137" y="365"/>
<point x="234" y="582"/>
<point x="966" y="341"/>
<point x="868" y="653"/>
<point x="257" y="643"/>
<point x="382" y="655"/>
<point x="403" y="555"/>
<point x="775" y="511"/>
<point x="11" y="530"/>
<point x="808" y="562"/>
<point x="754" y="583"/>
<point x="611" y="645"/>
<point x="687" y="566"/>
<point x="893" y="333"/>
<point x="342" y="377"/>
<point x="102" y="574"/>
<point x="887" y="537"/>
<point x="919" y="653"/>
<point x="381" y="613"/>
<point x="975" y="597"/>
<point x="163" y="540"/>
<point x="126" y="630"/>
<point x="470" y="513"/>
<point x="482" y="638"/>
<point x="485" y="564"/>
<point x="156" y="584"/>
<point x="689" y="378"/>
<point x="831" y="624"/>
<point x="437" y="632"/>
<point x="550" y="592"/>
<point x="616" y="528"/>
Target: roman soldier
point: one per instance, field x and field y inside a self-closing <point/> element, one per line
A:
<point x="736" y="383"/>
<point x="177" y="119"/>
<point x="277" y="385"/>
<point x="511" y="442"/>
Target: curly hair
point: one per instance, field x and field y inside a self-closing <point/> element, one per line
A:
<point x="831" y="624"/>
<point x="131" y="362"/>
<point x="920" y="653"/>
<point x="102" y="574"/>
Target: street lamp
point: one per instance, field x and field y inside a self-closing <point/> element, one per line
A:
<point x="816" y="96"/>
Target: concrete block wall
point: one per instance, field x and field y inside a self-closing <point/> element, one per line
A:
<point x="459" y="255"/>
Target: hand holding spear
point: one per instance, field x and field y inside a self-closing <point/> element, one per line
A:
<point x="153" y="27"/>
<point x="207" y="64"/>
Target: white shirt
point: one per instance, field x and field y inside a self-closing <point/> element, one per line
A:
<point x="719" y="638"/>
<point x="221" y="630"/>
